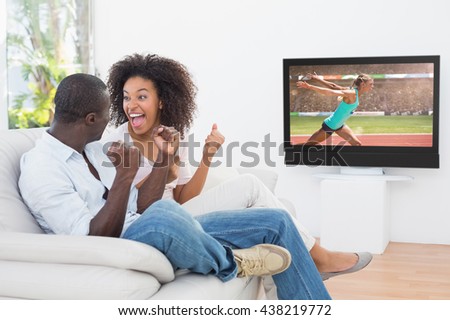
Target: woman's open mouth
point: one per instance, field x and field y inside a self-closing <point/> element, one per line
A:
<point x="137" y="119"/>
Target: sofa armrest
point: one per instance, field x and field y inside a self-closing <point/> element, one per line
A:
<point x="85" y="250"/>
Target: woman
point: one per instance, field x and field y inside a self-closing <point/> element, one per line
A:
<point x="148" y="91"/>
<point x="349" y="101"/>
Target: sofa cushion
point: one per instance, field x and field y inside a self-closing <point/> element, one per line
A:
<point x="208" y="287"/>
<point x="40" y="266"/>
<point x="14" y="214"/>
<point x="85" y="250"/>
<point x="30" y="280"/>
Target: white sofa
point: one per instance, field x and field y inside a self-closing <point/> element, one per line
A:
<point x="34" y="265"/>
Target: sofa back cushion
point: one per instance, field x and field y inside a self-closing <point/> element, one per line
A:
<point x="14" y="214"/>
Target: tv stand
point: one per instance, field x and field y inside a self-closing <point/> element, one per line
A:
<point x="354" y="210"/>
<point x="361" y="171"/>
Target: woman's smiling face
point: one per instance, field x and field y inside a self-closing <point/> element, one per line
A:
<point x="141" y="104"/>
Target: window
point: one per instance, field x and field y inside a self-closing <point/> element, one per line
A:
<point x="46" y="40"/>
<point x="3" y="100"/>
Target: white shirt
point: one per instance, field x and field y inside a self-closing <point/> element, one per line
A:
<point x="184" y="172"/>
<point x="61" y="192"/>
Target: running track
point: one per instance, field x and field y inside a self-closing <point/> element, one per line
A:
<point x="403" y="140"/>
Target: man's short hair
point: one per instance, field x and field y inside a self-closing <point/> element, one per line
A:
<point x="78" y="95"/>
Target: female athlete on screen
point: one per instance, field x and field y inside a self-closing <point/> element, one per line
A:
<point x="349" y="101"/>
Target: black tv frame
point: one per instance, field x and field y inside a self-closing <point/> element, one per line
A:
<point x="361" y="156"/>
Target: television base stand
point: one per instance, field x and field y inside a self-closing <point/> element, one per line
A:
<point x="354" y="211"/>
<point x="361" y="170"/>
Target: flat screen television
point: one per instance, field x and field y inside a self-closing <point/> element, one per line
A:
<point x="396" y="123"/>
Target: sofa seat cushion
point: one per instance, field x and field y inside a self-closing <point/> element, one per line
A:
<point x="28" y="280"/>
<point x="200" y="287"/>
<point x="41" y="266"/>
<point x="85" y="250"/>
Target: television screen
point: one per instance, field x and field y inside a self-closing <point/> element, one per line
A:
<point x="366" y="111"/>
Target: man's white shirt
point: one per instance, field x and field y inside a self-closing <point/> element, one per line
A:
<point x="61" y="192"/>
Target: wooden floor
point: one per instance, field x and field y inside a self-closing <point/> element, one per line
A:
<point x="404" y="271"/>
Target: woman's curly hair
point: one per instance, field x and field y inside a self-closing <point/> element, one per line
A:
<point x="173" y="84"/>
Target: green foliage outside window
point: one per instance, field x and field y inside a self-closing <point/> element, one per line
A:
<point x="47" y="40"/>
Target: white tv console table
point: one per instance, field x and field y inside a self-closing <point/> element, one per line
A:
<point x="354" y="210"/>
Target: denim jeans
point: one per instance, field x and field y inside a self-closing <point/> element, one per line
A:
<point x="204" y="244"/>
<point x="243" y="191"/>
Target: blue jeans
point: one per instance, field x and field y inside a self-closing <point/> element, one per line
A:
<point x="203" y="244"/>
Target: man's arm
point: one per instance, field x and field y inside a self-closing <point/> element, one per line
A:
<point x="111" y="217"/>
<point x="152" y="189"/>
<point x="60" y="204"/>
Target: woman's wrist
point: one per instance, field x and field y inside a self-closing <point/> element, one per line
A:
<point x="207" y="157"/>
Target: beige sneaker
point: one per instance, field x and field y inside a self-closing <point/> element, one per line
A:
<point x="261" y="260"/>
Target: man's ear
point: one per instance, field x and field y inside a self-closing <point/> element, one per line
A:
<point x="90" y="119"/>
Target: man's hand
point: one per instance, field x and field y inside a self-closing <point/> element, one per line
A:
<point x="213" y="142"/>
<point x="126" y="159"/>
<point x="167" y="140"/>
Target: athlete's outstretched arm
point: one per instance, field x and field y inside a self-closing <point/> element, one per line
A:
<point x="325" y="83"/>
<point x="345" y="92"/>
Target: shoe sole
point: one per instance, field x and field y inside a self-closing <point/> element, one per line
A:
<point x="364" y="258"/>
<point x="280" y="251"/>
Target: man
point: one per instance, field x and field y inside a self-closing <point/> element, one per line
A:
<point x="73" y="187"/>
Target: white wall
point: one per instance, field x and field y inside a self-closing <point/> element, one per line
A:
<point x="234" y="49"/>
